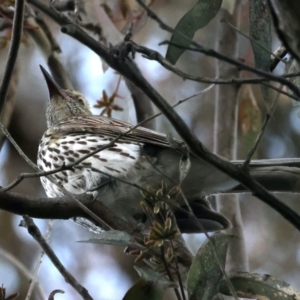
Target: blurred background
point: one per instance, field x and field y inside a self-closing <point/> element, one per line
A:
<point x="106" y="272"/>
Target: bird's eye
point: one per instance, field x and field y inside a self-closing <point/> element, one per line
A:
<point x="81" y="101"/>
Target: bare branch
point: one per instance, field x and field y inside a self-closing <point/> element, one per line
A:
<point x="33" y="280"/>
<point x="270" y="76"/>
<point x="210" y="52"/>
<point x="22" y="269"/>
<point x="61" y="208"/>
<point x="24" y="156"/>
<point x="261" y="133"/>
<point x="50" y="49"/>
<point x="13" y="50"/>
<point x="36" y="234"/>
<point x="273" y="55"/>
<point x="154" y="55"/>
<point x="142" y="104"/>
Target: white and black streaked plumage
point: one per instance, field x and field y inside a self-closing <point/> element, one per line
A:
<point x="57" y="150"/>
<point x="142" y="157"/>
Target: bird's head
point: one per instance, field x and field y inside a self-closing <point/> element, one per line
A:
<point x="63" y="103"/>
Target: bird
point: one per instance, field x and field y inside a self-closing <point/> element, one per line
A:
<point x="140" y="158"/>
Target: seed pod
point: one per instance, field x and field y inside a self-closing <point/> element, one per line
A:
<point x="168" y="224"/>
<point x="159" y="193"/>
<point x="156" y="233"/>
<point x="174" y="192"/>
<point x="139" y="258"/>
<point x="158" y="226"/>
<point x="155" y="260"/>
<point x="164" y="187"/>
<point x="134" y="252"/>
<point x="144" y="206"/>
<point x="169" y="253"/>
<point x="160" y="269"/>
<point x="144" y="194"/>
<point x="158" y="243"/>
<point x="150" y="242"/>
<point x="156" y="208"/>
<point x="139" y="239"/>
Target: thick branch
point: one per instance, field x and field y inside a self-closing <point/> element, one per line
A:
<point x="60" y="208"/>
<point x="142" y="104"/>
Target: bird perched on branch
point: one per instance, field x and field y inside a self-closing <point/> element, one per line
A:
<point x="135" y="160"/>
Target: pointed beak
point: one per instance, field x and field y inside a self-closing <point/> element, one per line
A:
<point x="53" y="88"/>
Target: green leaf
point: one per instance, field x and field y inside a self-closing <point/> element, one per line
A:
<point x="150" y="286"/>
<point x="112" y="237"/>
<point x="205" y="273"/>
<point x="261" y="37"/>
<point x="198" y="17"/>
<point x="144" y="290"/>
<point x="259" y="286"/>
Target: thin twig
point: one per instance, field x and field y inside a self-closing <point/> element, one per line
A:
<point x="155" y="55"/>
<point x="22" y="270"/>
<point x="213" y="53"/>
<point x="19" y="150"/>
<point x="50" y="49"/>
<point x="280" y="91"/>
<point x="126" y="69"/>
<point x="210" y="52"/>
<point x="17" y="29"/>
<point x="173" y="106"/>
<point x="36" y="234"/>
<point x="33" y="281"/>
<point x="177" y="271"/>
<point x="162" y="250"/>
<point x="274" y="55"/>
<point x="261" y="133"/>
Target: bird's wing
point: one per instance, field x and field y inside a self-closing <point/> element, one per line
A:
<point x="106" y="126"/>
<point x="100" y="125"/>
